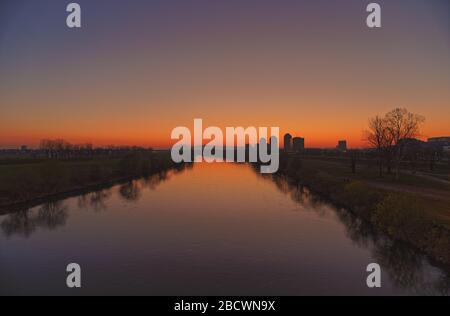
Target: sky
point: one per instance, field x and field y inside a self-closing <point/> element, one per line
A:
<point x="139" y="68"/>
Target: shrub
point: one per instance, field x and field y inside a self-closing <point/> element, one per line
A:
<point x="360" y="198"/>
<point x="401" y="216"/>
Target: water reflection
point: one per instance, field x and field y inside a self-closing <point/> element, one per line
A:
<point x="131" y="191"/>
<point x="54" y="214"/>
<point x="50" y="216"/>
<point x="408" y="268"/>
<point x="94" y="200"/>
<point x="18" y="223"/>
<point x="253" y="236"/>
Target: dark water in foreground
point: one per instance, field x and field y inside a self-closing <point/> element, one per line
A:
<point x="217" y="229"/>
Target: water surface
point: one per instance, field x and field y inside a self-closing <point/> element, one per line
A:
<point x="217" y="229"/>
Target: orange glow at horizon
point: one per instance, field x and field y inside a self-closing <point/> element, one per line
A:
<point x="278" y="64"/>
<point x="158" y="136"/>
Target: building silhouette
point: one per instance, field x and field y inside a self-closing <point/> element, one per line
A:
<point x="298" y="144"/>
<point x="342" y="145"/>
<point x="287" y="142"/>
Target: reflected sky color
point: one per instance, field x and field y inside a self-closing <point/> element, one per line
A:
<point x="137" y="69"/>
<point x="200" y="232"/>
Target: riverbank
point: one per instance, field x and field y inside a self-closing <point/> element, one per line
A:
<point x="404" y="210"/>
<point x="25" y="181"/>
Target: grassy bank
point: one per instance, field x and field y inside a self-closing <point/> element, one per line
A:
<point x="22" y="181"/>
<point x="412" y="210"/>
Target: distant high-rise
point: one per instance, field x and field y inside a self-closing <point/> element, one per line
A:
<point x="298" y="144"/>
<point x="287" y="142"/>
<point x="342" y="145"/>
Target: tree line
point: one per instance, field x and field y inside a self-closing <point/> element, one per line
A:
<point x="61" y="149"/>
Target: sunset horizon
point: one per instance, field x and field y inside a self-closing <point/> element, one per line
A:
<point x="227" y="155"/>
<point x="312" y="69"/>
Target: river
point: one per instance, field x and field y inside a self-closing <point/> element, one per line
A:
<point x="214" y="229"/>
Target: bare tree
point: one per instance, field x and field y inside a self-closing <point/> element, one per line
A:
<point x="402" y="125"/>
<point x="54" y="148"/>
<point x="377" y="137"/>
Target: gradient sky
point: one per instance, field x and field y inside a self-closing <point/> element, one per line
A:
<point x="137" y="69"/>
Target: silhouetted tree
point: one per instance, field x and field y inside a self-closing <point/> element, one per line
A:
<point x="379" y="138"/>
<point x="390" y="135"/>
<point x="402" y="125"/>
